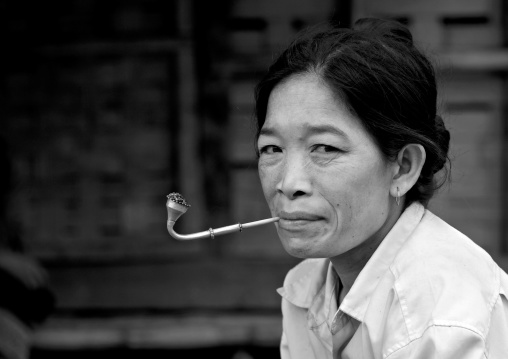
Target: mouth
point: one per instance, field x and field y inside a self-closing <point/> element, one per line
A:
<point x="298" y="216"/>
<point x="291" y="221"/>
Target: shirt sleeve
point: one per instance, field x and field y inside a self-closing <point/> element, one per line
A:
<point x="444" y="342"/>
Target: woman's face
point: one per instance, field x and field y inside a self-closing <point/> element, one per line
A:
<point x="321" y="172"/>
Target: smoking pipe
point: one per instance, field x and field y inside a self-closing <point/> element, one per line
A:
<point x="176" y="206"/>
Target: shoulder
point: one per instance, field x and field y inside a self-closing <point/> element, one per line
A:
<point x="442" y="276"/>
<point x="435" y="248"/>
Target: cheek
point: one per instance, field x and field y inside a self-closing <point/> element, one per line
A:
<point x="354" y="193"/>
<point x="268" y="180"/>
<point x="371" y="194"/>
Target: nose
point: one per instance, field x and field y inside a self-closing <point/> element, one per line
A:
<point x="295" y="180"/>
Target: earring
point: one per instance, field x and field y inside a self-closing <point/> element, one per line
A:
<point x="397" y="199"/>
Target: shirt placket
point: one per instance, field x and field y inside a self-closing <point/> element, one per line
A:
<point x="342" y="330"/>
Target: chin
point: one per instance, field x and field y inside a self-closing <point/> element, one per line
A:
<point x="301" y="248"/>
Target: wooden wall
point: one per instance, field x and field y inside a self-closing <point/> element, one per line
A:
<point x="113" y="106"/>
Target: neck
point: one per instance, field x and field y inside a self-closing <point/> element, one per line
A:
<point x="349" y="265"/>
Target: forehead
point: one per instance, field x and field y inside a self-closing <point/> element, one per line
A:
<point x="303" y="102"/>
<point x="303" y="91"/>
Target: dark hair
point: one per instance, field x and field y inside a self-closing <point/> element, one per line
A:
<point x="387" y="82"/>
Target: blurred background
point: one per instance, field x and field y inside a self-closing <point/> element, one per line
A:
<point x="107" y="106"/>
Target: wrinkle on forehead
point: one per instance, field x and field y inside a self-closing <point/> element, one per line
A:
<point x="294" y="86"/>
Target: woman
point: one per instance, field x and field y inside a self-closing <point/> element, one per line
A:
<point x="349" y="144"/>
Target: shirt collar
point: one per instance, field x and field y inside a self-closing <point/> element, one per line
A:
<point x="357" y="300"/>
<point x="305" y="282"/>
<point x="313" y="281"/>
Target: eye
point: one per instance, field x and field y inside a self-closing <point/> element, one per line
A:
<point x="269" y="149"/>
<point x="325" y="149"/>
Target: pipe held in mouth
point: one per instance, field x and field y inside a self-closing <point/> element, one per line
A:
<point x="176" y="205"/>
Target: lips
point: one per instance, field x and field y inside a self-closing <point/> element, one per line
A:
<point x="298" y="221"/>
<point x="298" y="216"/>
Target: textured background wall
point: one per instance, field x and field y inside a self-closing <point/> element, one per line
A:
<point x="109" y="106"/>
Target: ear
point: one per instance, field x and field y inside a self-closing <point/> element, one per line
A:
<point x="409" y="164"/>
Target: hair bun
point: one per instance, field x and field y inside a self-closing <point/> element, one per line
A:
<point x="389" y="29"/>
<point x="443" y="141"/>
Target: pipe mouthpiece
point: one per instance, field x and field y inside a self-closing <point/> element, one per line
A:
<point x="176" y="206"/>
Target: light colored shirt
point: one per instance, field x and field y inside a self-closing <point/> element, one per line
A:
<point x="427" y="292"/>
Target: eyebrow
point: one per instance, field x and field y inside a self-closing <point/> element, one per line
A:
<point x="310" y="129"/>
<point x="267" y="131"/>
